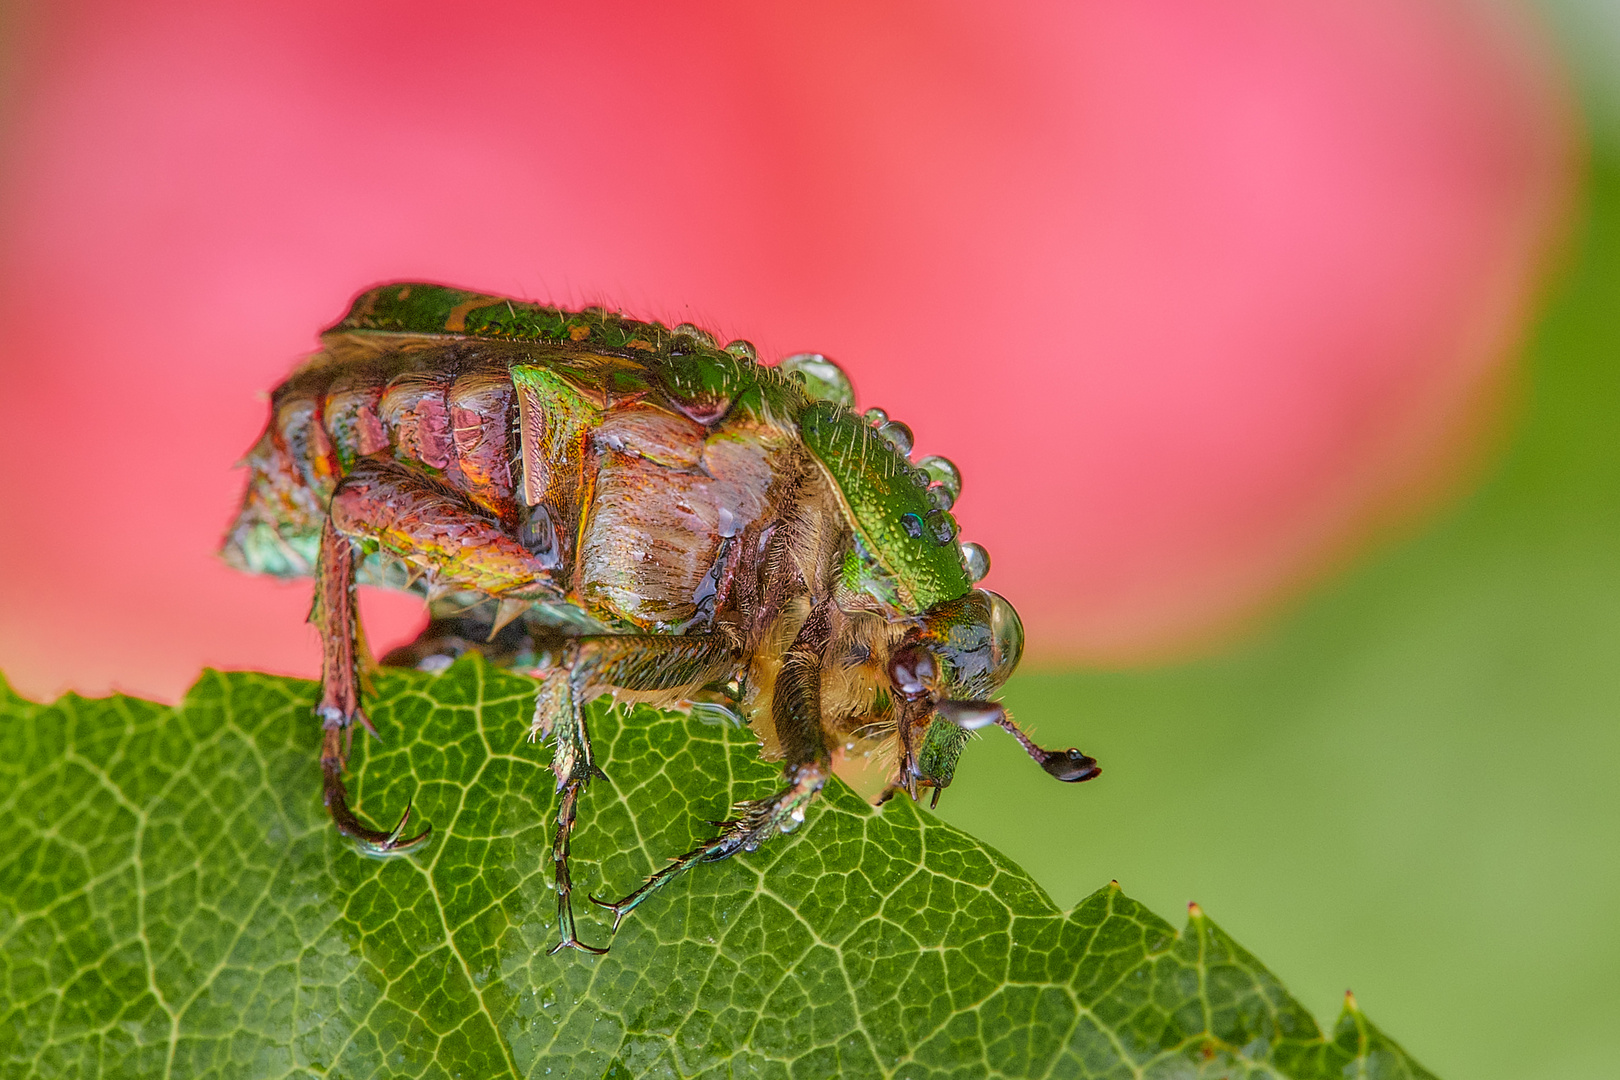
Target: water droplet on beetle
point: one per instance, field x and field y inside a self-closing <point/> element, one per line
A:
<point x="941" y="526"/>
<point x="687" y="330"/>
<point x="539" y="534"/>
<point x="941" y="496"/>
<point x="898" y="436"/>
<point x="976" y="561"/>
<point x="944" y="472"/>
<point x="913" y="525"/>
<point x="876" y="417"/>
<point x="823" y="380"/>
<point x="743" y="350"/>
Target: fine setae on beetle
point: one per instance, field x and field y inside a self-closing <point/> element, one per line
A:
<point x="621" y="508"/>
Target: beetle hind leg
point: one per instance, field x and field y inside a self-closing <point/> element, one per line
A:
<point x="339" y="708"/>
<point x="374" y="841"/>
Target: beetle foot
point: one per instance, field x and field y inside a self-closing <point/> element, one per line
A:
<point x="372" y="841"/>
<point x="572" y="942"/>
<point x="566" y="812"/>
<point x="622" y="908"/>
<point x="741" y="833"/>
<point x="755" y="823"/>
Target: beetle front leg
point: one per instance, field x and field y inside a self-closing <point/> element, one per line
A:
<point x="334" y="613"/>
<point x="593" y="665"/>
<point x="796" y="713"/>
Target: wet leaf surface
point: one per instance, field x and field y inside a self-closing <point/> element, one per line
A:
<point x="173" y="903"/>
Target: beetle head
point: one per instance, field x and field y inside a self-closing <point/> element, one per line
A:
<point x="942" y="675"/>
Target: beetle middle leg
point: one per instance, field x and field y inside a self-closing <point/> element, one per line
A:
<point x="593" y="665"/>
<point x="796" y="714"/>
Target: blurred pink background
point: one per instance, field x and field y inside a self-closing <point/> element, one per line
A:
<point x="1199" y="296"/>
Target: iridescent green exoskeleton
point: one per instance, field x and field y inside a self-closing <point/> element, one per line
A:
<point x="622" y="508"/>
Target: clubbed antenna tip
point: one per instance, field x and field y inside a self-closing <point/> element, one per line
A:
<point x="1071" y="766"/>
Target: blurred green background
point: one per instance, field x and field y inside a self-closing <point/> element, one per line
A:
<point x="1407" y="786"/>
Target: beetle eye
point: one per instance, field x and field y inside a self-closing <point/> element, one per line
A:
<point x="911" y="669"/>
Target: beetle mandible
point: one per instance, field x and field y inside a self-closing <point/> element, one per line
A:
<point x="618" y="507"/>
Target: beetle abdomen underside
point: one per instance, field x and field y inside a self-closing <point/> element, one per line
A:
<point x="637" y="472"/>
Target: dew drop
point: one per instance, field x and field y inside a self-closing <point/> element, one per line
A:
<point x="876" y="417"/>
<point x="823" y="380"/>
<point x="743" y="350"/>
<point x="943" y="472"/>
<point x="687" y="330"/>
<point x="539" y="535"/>
<point x="913" y="525"/>
<point x="976" y="561"/>
<point x="898" y="436"/>
<point x="941" y="526"/>
<point x="941" y="496"/>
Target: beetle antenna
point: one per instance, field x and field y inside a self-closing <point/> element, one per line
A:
<point x="1071" y="766"/>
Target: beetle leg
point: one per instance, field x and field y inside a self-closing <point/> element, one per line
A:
<point x="436" y="530"/>
<point x="796" y="714"/>
<point x="557" y="710"/>
<point x="454" y="630"/>
<point x="334" y="614"/>
<point x="593" y="665"/>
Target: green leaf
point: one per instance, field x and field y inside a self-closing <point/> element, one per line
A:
<point x="173" y="903"/>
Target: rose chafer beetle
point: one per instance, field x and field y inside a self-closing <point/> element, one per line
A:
<point x="621" y="508"/>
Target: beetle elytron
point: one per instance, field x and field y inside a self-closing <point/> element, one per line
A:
<point x="623" y="508"/>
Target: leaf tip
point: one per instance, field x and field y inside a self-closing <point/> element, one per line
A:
<point x="1350" y="1003"/>
<point x="1194" y="911"/>
<point x="1114" y="885"/>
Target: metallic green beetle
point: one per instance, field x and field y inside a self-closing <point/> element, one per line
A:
<point x="622" y="508"/>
